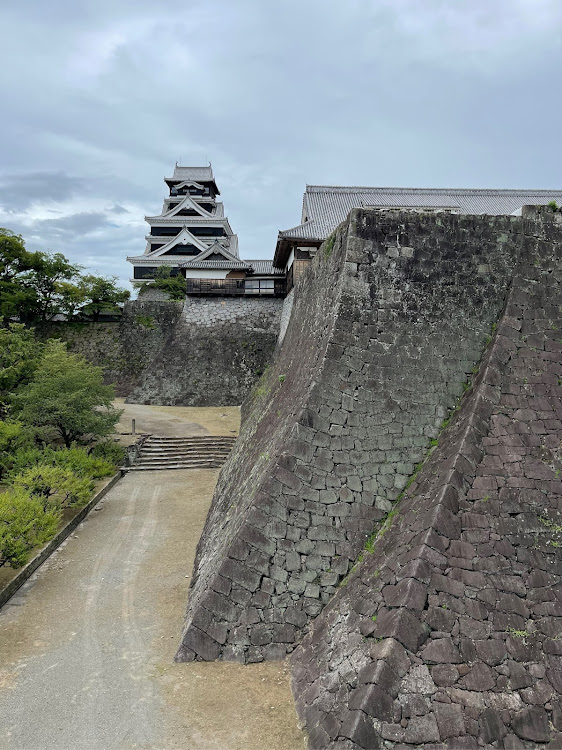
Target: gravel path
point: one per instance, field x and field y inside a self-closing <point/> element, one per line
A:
<point x="86" y="646"/>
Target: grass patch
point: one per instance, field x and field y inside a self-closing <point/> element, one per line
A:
<point x="555" y="527"/>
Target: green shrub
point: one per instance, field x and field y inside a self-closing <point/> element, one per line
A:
<point x="24" y="524"/>
<point x="26" y="457"/>
<point x="82" y="463"/>
<point x="146" y="321"/>
<point x="110" y="452"/>
<point x="175" y="286"/>
<point x="13" y="437"/>
<point x="54" y="486"/>
<point x="77" y="460"/>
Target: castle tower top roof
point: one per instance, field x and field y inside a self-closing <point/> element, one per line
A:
<point x="197" y="174"/>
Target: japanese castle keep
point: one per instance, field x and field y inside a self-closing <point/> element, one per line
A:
<point x="193" y="237"/>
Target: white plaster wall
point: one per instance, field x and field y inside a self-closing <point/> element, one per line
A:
<point x="206" y="274"/>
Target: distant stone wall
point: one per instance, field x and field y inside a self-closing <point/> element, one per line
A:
<point x="122" y="349"/>
<point x="254" y="313"/>
<point x="447" y="633"/>
<point x="388" y="325"/>
<point x="213" y="355"/>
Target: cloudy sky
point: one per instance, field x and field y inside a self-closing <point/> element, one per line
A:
<point x="101" y="98"/>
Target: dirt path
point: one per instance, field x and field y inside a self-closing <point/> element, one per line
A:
<point x="86" y="647"/>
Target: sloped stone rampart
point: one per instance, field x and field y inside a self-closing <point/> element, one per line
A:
<point x="448" y="633"/>
<point x="214" y="353"/>
<point x="387" y="325"/>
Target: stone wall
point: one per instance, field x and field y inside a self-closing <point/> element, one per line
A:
<point x="447" y="633"/>
<point x="388" y="325"/>
<point x="286" y="315"/>
<point x="204" y="352"/>
<point x="213" y="355"/>
<point x="123" y="349"/>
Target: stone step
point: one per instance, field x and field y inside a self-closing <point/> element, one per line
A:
<point x="192" y="439"/>
<point x="195" y="452"/>
<point x="210" y="447"/>
<point x="180" y="457"/>
<point x="177" y="465"/>
<point x="187" y="451"/>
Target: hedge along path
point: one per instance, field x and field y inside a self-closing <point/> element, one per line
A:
<point x="20" y="577"/>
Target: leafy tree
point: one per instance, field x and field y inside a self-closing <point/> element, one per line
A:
<point x="70" y="297"/>
<point x="67" y="394"/>
<point x="102" y="294"/>
<point x="20" y="353"/>
<point x="49" y="280"/>
<point x="37" y="286"/>
<point x="24" y="524"/>
<point x="14" y="437"/>
<point x="15" y="261"/>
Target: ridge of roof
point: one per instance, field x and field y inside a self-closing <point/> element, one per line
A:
<point x="431" y="191"/>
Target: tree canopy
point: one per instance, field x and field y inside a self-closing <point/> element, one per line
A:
<point x="37" y="286"/>
<point x="67" y="394"/>
<point x="19" y="355"/>
<point x="101" y="294"/>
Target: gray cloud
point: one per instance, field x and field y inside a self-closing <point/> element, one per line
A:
<point x="76" y="224"/>
<point x="391" y="92"/>
<point x="19" y="191"/>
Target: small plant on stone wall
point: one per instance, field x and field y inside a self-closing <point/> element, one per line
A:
<point x="282" y="378"/>
<point x="329" y="245"/>
<point x="146" y="321"/>
<point x="554" y="206"/>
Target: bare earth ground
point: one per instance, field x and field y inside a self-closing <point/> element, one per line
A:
<point x="86" y="646"/>
<point x="178" y="421"/>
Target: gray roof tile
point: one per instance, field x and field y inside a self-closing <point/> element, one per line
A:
<point x="201" y="174"/>
<point x="327" y="206"/>
<point x="265" y="267"/>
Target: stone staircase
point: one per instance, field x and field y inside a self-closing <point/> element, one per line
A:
<point x="208" y="452"/>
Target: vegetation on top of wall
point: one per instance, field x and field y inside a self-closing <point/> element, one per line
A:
<point x="554" y="206"/>
<point x="173" y="286"/>
<point x="36" y="286"/>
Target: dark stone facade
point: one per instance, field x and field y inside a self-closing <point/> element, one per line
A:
<point x="122" y="349"/>
<point x="204" y="352"/>
<point x="448" y="632"/>
<point x="213" y="354"/>
<point x="388" y="326"/>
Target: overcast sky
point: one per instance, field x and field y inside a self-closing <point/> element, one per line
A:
<point x="101" y="98"/>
